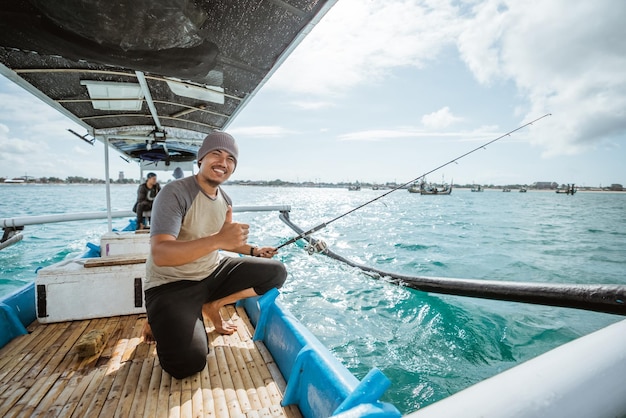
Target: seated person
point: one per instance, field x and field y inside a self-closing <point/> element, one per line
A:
<point x="178" y="173"/>
<point x="145" y="196"/>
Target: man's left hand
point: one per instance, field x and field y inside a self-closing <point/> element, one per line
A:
<point x="266" y="252"/>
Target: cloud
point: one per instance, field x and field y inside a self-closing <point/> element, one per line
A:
<point x="440" y="119"/>
<point x="484" y="133"/>
<point x="359" y="42"/>
<point x="562" y="59"/>
<point x="565" y="58"/>
<point x="261" y="131"/>
<point x="16" y="146"/>
<point x="312" y="105"/>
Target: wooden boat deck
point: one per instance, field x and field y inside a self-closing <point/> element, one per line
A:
<point x="41" y="374"/>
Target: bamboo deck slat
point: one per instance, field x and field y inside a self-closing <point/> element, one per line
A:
<point x="42" y="375"/>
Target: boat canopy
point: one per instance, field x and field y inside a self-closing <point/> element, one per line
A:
<point x="150" y="77"/>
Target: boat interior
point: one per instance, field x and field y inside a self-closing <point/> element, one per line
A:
<point x="56" y="370"/>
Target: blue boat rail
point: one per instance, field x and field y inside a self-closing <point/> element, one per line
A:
<point x="317" y="382"/>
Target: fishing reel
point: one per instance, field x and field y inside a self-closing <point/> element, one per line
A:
<point x="316" y="246"/>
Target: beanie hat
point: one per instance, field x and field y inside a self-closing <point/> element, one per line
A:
<point x="218" y="140"/>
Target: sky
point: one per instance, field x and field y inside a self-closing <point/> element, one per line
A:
<point x="388" y="90"/>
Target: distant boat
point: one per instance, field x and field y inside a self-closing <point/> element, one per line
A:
<point x="522" y="190"/>
<point x="356" y="187"/>
<point x="506" y="189"/>
<point x="429" y="188"/>
<point x="477" y="188"/>
<point x="569" y="189"/>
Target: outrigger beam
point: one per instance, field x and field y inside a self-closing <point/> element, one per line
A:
<point x="607" y="298"/>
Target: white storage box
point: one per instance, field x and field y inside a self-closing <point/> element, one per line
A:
<point x="68" y="290"/>
<point x="124" y="243"/>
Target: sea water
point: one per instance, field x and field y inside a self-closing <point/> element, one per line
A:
<point x="428" y="345"/>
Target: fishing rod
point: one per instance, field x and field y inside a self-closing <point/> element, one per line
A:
<point x="325" y="224"/>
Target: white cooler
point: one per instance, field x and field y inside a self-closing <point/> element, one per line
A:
<point x="68" y="290"/>
<point x="122" y="243"/>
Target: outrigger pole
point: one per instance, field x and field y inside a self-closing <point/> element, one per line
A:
<point x="325" y="224"/>
<point x="606" y="298"/>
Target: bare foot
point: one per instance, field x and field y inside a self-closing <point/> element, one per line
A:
<point x="146" y="333"/>
<point x="212" y="312"/>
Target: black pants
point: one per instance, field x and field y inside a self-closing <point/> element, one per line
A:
<point x="141" y="208"/>
<point x="175" y="309"/>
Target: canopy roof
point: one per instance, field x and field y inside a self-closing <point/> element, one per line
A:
<point x="152" y="77"/>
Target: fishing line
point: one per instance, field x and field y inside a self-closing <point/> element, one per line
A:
<point x="483" y="146"/>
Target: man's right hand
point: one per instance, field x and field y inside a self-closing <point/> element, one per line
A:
<point x="233" y="234"/>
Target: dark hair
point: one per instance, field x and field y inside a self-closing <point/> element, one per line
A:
<point x="150" y="175"/>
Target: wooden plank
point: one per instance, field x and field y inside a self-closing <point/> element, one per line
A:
<point x="243" y="359"/>
<point x="208" y="404"/>
<point x="186" y="408"/>
<point x="23" y="376"/>
<point x="31" y="358"/>
<point x="174" y="398"/>
<point x="270" y="385"/>
<point x="11" y="399"/>
<point x="226" y="379"/>
<point x="66" y="402"/>
<point x="238" y="381"/>
<point x="134" y="338"/>
<point x="129" y="388"/>
<point x="143" y="387"/>
<point x="218" y="396"/>
<point x="68" y="339"/>
<point x="117" y="370"/>
<point x="88" y="396"/>
<point x="164" y="393"/>
<point x="20" y="345"/>
<point x="152" y="397"/>
<point x="35" y="395"/>
<point x="120" y="260"/>
<point x="115" y="347"/>
<point x="66" y="364"/>
<point x="197" y="404"/>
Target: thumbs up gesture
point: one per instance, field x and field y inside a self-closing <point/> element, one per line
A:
<point x="233" y="234"/>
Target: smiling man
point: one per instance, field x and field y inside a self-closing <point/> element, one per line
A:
<point x="186" y="276"/>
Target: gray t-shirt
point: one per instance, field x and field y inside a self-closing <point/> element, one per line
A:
<point x="183" y="210"/>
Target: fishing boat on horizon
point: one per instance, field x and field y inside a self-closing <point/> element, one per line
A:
<point x="568" y="189"/>
<point x="70" y="341"/>
<point x="424" y="188"/>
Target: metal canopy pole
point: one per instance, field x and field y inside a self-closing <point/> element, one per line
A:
<point x="146" y="92"/>
<point x="107" y="182"/>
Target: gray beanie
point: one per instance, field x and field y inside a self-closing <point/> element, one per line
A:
<point x="218" y="140"/>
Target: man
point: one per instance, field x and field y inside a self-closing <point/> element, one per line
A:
<point x="185" y="275"/>
<point x="146" y="193"/>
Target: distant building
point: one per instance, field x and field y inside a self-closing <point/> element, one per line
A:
<point x="616" y="187"/>
<point x="120" y="176"/>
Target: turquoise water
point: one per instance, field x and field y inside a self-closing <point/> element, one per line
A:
<point x="429" y="345"/>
